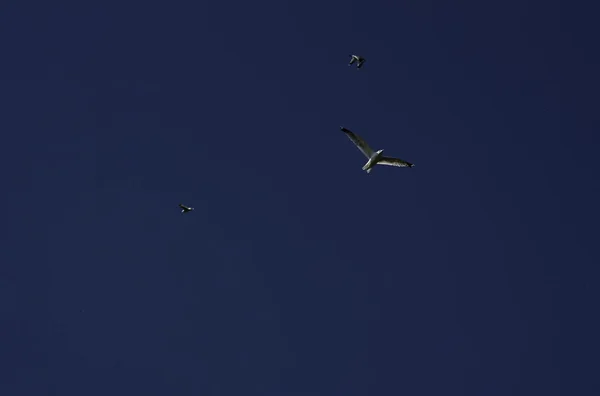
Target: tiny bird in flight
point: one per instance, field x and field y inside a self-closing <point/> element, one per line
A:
<point x="358" y="59"/>
<point x="185" y="209"/>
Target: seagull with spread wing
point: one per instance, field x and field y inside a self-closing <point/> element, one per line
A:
<point x="375" y="157"/>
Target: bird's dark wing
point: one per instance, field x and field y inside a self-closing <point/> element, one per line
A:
<point x="394" y="162"/>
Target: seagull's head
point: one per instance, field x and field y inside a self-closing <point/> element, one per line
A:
<point x="379" y="151"/>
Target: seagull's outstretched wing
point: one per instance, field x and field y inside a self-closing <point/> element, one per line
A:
<point x="352" y="59"/>
<point x="360" y="63"/>
<point x="361" y="144"/>
<point x="394" y="162"/>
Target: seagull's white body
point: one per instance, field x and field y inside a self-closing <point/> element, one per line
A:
<point x="358" y="59"/>
<point x="375" y="157"/>
<point x="185" y="209"/>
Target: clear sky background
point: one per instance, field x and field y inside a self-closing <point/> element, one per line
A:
<point x="473" y="273"/>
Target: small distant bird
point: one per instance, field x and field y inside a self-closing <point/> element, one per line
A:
<point x="358" y="59"/>
<point x="185" y="209"/>
<point x="375" y="157"/>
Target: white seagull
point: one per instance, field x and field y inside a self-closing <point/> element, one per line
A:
<point x="375" y="157"/>
<point x="358" y="59"/>
<point x="185" y="209"/>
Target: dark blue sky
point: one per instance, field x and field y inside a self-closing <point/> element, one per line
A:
<point x="473" y="273"/>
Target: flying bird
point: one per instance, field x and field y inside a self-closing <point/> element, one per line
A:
<point x="375" y="157"/>
<point x="358" y="59"/>
<point x="185" y="209"/>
